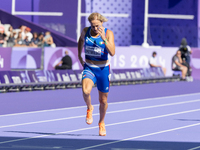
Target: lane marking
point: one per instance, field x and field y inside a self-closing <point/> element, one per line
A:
<point x="140" y="136"/>
<point x="194" y="148"/>
<point x="41" y="111"/>
<point x="157" y="98"/>
<point x="118" y="123"/>
<point x="109" y="112"/>
<point x="43" y="121"/>
<point x="129" y="101"/>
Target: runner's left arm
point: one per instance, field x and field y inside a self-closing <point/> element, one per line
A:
<point x="108" y="39"/>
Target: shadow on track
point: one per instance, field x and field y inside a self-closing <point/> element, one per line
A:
<point x="72" y="144"/>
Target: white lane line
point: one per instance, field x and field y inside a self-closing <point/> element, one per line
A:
<point x="157" y="98"/>
<point x="137" y="137"/>
<point x="109" y="112"/>
<point x="43" y="121"/>
<point x="77" y="107"/>
<point x="118" y="123"/>
<point x="41" y="111"/>
<point x="194" y="148"/>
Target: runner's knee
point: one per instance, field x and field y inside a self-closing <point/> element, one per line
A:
<point x="103" y="100"/>
<point x="86" y="91"/>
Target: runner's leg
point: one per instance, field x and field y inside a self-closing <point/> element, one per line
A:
<point x="87" y="85"/>
<point x="103" y="105"/>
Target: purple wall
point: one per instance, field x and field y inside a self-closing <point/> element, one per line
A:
<point x="121" y="27"/>
<point x="6" y="5"/>
<point x="58" y="38"/>
<point x="26" y="58"/>
<point x="138" y="57"/>
<point x="126" y="58"/>
<point x="195" y="63"/>
<point x="65" y="24"/>
<point x="22" y="5"/>
<point x="54" y="55"/>
<point x="165" y="32"/>
<point x="5" y="59"/>
<point x="127" y="31"/>
<point x="198" y="23"/>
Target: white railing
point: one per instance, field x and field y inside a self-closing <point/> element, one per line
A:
<point x="166" y="16"/>
<point x="33" y="13"/>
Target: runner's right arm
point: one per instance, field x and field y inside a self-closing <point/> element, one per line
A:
<point x="81" y="44"/>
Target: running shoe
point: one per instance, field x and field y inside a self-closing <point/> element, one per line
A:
<point x="102" y="129"/>
<point x="89" y="118"/>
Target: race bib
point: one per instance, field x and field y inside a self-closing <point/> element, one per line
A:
<point x="93" y="51"/>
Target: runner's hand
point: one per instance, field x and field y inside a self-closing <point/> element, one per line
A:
<point x="102" y="32"/>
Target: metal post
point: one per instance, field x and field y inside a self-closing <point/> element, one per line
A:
<point x="78" y="30"/>
<point x="32" y="9"/>
<point x="13" y="7"/>
<point x="145" y="44"/>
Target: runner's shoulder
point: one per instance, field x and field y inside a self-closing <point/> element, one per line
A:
<point x="109" y="31"/>
<point x="85" y="29"/>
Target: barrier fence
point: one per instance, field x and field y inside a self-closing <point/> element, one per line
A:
<point x="61" y="79"/>
<point x="22" y="65"/>
<point x="125" y="58"/>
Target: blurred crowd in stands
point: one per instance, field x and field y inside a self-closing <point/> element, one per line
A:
<point x="23" y="37"/>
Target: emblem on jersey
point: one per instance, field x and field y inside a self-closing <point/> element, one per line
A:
<point x="89" y="40"/>
<point x="101" y="43"/>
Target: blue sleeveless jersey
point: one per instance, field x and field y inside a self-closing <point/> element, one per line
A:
<point x="95" y="48"/>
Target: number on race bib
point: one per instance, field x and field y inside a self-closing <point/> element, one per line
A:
<point x="93" y="51"/>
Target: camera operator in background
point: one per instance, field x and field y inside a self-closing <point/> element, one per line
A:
<point x="185" y="54"/>
<point x="177" y="64"/>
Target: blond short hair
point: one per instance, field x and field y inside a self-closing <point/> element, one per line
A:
<point x="97" y="16"/>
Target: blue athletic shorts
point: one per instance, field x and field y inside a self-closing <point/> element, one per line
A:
<point x="98" y="74"/>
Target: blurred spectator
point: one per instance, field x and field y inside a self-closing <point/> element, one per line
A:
<point x="48" y="40"/>
<point x="26" y="41"/>
<point x="178" y="65"/>
<point x="28" y="33"/>
<point x="19" y="41"/>
<point x="34" y="40"/>
<point x="40" y="40"/>
<point x="1" y="27"/>
<point x="10" y="37"/>
<point x="22" y="36"/>
<point x="2" y="36"/>
<point x="153" y="62"/>
<point x="66" y="62"/>
<point x="10" y="32"/>
<point x="22" y="30"/>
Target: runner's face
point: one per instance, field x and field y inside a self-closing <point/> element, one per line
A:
<point x="95" y="24"/>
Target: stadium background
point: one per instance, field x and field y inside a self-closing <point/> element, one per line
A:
<point x="147" y="111"/>
<point x="128" y="31"/>
<point x="163" y="35"/>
